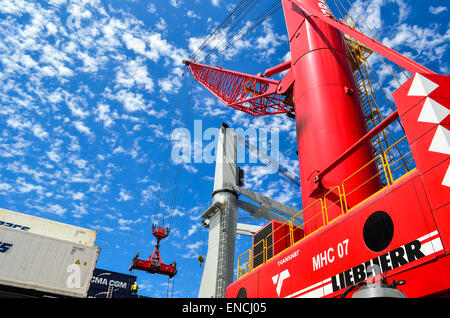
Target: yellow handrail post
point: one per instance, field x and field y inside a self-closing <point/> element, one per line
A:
<point x="291" y="232"/>
<point x="265" y="250"/>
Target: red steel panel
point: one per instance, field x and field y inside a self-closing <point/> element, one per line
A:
<point x="441" y="215"/>
<point x="424" y="158"/>
<point x="403" y="102"/>
<point x="411" y="119"/>
<point x="438" y="194"/>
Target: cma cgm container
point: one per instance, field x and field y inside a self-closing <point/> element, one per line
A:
<point x="34" y="224"/>
<point x="36" y="263"/>
<point x="108" y="284"/>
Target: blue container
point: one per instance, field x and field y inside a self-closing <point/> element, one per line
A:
<point x="108" y="284"/>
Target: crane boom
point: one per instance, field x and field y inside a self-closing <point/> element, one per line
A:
<point x="252" y="94"/>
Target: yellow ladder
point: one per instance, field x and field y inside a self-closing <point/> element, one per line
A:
<point x="359" y="54"/>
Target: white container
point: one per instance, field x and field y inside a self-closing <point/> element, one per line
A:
<point x="34" y="224"/>
<point x="45" y="264"/>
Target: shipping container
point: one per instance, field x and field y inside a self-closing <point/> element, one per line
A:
<point x="109" y="284"/>
<point x="37" y="225"/>
<point x="40" y="263"/>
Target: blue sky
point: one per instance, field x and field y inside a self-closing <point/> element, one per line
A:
<point x="92" y="91"/>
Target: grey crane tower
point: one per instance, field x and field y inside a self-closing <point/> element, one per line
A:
<point x="222" y="216"/>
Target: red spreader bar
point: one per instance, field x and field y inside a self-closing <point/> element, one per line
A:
<point x="255" y="95"/>
<point x="154" y="265"/>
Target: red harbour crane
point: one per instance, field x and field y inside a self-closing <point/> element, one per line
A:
<point x="361" y="219"/>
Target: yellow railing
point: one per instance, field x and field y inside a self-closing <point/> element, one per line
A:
<point x="312" y="206"/>
<point x="332" y="206"/>
<point x="336" y="204"/>
<point x="397" y="163"/>
<point x="377" y="177"/>
<point x="246" y="265"/>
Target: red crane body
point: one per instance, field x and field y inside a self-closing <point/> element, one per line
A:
<point x="400" y="227"/>
<point x="328" y="112"/>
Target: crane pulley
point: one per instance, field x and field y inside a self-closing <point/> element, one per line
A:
<point x="154" y="265"/>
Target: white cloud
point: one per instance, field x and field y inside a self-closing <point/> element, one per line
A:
<point x="192" y="14"/>
<point x="427" y="43"/>
<point x="57" y="61"/>
<point x="192" y="249"/>
<point x="52" y="155"/>
<point x="101" y="228"/>
<point x="5" y="187"/>
<point x="79" y="211"/>
<point x="39" y="132"/>
<point x="80" y="163"/>
<point x="437" y="10"/>
<point x="25" y="187"/>
<point x="125" y="223"/>
<point x="55" y="97"/>
<point x="131" y="102"/>
<point x="82" y="128"/>
<point x="175" y="3"/>
<point x="103" y="114"/>
<point x="15" y="122"/>
<point x="56" y="209"/>
<point x="368" y="15"/>
<point x="124" y="195"/>
<point x="118" y="150"/>
<point x="134" y="73"/>
<point x="190" y="168"/>
<point x="159" y="47"/>
<point x="269" y="39"/>
<point x="161" y="25"/>
<point x="135" y="44"/>
<point x="151" y="8"/>
<point x="192" y="230"/>
<point x="91" y="64"/>
<point x="74" y="103"/>
<point x="78" y="196"/>
<point x="170" y="84"/>
<point x="209" y="106"/>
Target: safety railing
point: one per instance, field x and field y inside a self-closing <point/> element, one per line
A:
<point x="244" y="263"/>
<point x="335" y="208"/>
<point x="398" y="164"/>
<point x="313" y="222"/>
<point x="376" y="180"/>
<point x="334" y="204"/>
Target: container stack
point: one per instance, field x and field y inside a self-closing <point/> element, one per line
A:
<point x="41" y="257"/>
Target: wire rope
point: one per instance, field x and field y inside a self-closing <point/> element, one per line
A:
<point x="224" y="24"/>
<point x="267" y="13"/>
